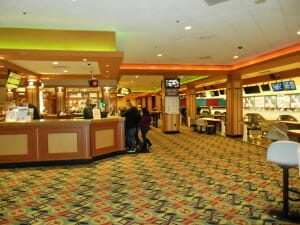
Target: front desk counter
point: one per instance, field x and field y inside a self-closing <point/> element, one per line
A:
<point x="60" y="140"/>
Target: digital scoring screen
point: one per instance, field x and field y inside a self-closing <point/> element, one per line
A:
<point x="283" y="102"/>
<point x="270" y="102"/>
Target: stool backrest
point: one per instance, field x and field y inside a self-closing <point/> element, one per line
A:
<point x="284" y="153"/>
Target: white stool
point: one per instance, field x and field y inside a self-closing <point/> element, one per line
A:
<point x="284" y="153"/>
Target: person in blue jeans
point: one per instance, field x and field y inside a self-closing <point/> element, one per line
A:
<point x="132" y="119"/>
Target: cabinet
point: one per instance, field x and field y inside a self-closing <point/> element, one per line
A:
<point x="76" y="99"/>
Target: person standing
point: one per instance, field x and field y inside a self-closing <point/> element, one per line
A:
<point x="145" y="127"/>
<point x="132" y="119"/>
<point x="88" y="110"/>
<point x="36" y="114"/>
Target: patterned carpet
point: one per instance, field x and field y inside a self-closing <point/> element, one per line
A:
<point x="188" y="178"/>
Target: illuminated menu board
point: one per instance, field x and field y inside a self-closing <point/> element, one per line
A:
<point x="270" y="102"/>
<point x="283" y="101"/>
<point x="295" y="101"/>
<point x="249" y="102"/>
<point x="259" y="101"/>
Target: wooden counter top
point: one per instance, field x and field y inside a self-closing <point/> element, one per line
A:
<point x="61" y="121"/>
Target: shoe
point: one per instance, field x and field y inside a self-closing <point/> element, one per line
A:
<point x="131" y="151"/>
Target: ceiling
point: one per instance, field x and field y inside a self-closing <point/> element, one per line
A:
<point x="220" y="30"/>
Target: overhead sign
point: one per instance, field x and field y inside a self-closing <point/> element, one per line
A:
<point x="13" y="80"/>
<point x="124" y="91"/>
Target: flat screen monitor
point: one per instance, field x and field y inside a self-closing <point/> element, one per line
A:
<point x="172" y="83"/>
<point x="202" y="94"/>
<point x="295" y="101"/>
<point x="288" y="85"/>
<point x="214" y="93"/>
<point x="265" y="87"/>
<point x="277" y="86"/>
<point x="222" y="91"/>
<point x="251" y="89"/>
<point x="93" y="83"/>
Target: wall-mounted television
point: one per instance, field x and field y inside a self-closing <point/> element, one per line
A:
<point x="265" y="87"/>
<point x="251" y="89"/>
<point x="277" y="86"/>
<point x="93" y="83"/>
<point x="222" y="92"/>
<point x="288" y="85"/>
<point x="172" y="83"/>
<point x="214" y="93"/>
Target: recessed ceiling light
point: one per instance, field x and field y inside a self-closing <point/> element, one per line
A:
<point x="65" y="71"/>
<point x="107" y="71"/>
<point x="1" y="66"/>
<point x="84" y="60"/>
<point x="298" y="32"/>
<point x="236" y="56"/>
<point x="136" y="76"/>
<point x="188" y="27"/>
<point x="107" y="65"/>
<point x="159" y="54"/>
<point x="1" y="57"/>
<point x="55" y="63"/>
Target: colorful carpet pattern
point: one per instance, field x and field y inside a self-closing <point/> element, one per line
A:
<point x="188" y="178"/>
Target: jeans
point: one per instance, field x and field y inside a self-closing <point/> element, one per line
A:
<point x="146" y="141"/>
<point x="131" y="137"/>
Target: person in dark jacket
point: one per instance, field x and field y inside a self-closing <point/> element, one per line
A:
<point x="131" y="122"/>
<point x="88" y="110"/>
<point x="145" y="127"/>
<point x="36" y="114"/>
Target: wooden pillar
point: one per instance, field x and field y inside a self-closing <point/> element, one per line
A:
<point x="170" y="109"/>
<point x="158" y="102"/>
<point x="149" y="103"/>
<point x="191" y="107"/>
<point x="33" y="95"/>
<point x="234" y="105"/>
<point x="60" y="99"/>
<point x="143" y="101"/>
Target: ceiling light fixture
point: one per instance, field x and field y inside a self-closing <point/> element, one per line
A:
<point x="107" y="65"/>
<point x="1" y="66"/>
<point x="236" y="56"/>
<point x="55" y="63"/>
<point x="298" y="32"/>
<point x="188" y="27"/>
<point x="1" y="57"/>
<point x="65" y="71"/>
<point x="159" y="54"/>
<point x="136" y="76"/>
<point x="84" y="60"/>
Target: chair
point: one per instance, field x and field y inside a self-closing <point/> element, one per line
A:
<point x="286" y="118"/>
<point x="284" y="153"/>
<point x="200" y="125"/>
<point x="278" y="132"/>
<point x="209" y="128"/>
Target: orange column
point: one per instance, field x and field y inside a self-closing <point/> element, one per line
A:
<point x="149" y="103"/>
<point x="234" y="105"/>
<point x="191" y="107"/>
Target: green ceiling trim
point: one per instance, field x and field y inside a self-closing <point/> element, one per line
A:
<point x="67" y="40"/>
<point x="148" y="90"/>
<point x="191" y="79"/>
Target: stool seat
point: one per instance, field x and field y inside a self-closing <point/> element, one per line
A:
<point x="284" y="153"/>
